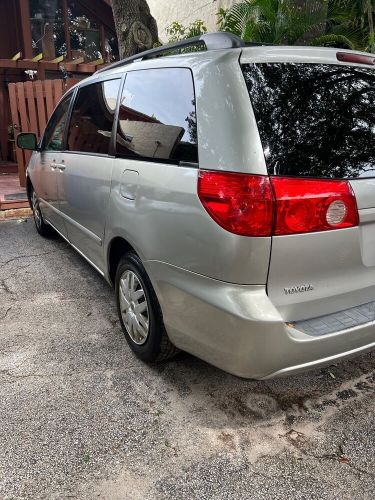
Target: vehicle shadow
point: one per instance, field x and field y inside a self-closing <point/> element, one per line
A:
<point x="239" y="401"/>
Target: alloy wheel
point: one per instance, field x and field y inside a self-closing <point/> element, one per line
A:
<point x="134" y="307"/>
<point x="36" y="211"/>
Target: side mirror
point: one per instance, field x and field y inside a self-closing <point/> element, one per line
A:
<point x="27" y="140"/>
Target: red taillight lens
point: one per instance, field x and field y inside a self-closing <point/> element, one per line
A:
<point x="309" y="205"/>
<point x="257" y="205"/>
<point x="355" y="58"/>
<point x="240" y="203"/>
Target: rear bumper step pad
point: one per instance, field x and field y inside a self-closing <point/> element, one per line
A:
<point x="342" y="320"/>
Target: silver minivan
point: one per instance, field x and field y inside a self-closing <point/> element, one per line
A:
<point x="227" y="194"/>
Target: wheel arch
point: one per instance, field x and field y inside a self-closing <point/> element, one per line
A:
<point x="117" y="247"/>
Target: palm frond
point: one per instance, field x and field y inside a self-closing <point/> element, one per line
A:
<point x="344" y="22"/>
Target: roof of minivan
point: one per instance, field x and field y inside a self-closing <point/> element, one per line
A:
<point x="247" y="53"/>
<point x="301" y="54"/>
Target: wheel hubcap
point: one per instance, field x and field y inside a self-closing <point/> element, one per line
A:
<point x="36" y="211"/>
<point x="134" y="307"/>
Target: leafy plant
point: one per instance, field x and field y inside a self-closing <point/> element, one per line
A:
<point x="177" y="31"/>
<point x="339" y="23"/>
<point x="357" y="16"/>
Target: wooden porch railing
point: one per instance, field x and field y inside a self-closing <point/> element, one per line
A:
<point x="31" y="104"/>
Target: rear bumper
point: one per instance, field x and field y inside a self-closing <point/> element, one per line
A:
<point x="238" y="329"/>
<point x="319" y="363"/>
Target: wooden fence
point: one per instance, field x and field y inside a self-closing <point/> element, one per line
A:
<point x="31" y="104"/>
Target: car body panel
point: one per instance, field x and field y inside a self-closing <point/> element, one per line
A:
<point x="237" y="327"/>
<point x="316" y="273"/>
<point x="169" y="224"/>
<point x="45" y="181"/>
<point x="84" y="190"/>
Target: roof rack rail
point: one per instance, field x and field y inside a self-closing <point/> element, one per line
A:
<point x="212" y="41"/>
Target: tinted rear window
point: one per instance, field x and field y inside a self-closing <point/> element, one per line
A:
<point x="314" y="119"/>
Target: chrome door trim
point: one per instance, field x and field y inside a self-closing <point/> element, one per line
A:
<point x="76" y="249"/>
<point x="84" y="230"/>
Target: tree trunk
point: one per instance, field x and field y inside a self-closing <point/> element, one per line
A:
<point x="135" y="27"/>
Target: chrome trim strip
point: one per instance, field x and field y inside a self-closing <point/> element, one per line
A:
<point x="75" y="248"/>
<point x="71" y="221"/>
<point x="57" y="231"/>
<point x="88" y="260"/>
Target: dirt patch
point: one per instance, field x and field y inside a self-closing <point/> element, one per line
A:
<point x="15" y="213"/>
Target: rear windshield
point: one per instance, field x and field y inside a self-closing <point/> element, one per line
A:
<point x="314" y="120"/>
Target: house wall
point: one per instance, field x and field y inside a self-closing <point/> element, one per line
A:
<point x="11" y="40"/>
<point x="186" y="11"/>
<point x="15" y="36"/>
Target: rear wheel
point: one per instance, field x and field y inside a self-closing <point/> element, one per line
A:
<point x="139" y="312"/>
<point x="42" y="228"/>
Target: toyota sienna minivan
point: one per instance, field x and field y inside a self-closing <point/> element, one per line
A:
<point x="227" y="194"/>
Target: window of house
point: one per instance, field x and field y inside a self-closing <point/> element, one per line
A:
<point x="157" y="117"/>
<point x="47" y="28"/>
<point x="85" y="41"/>
<point x="84" y="33"/>
<point x="91" y="123"/>
<point x="54" y="134"/>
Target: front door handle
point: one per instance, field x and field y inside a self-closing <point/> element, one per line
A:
<point x="53" y="166"/>
<point x="61" y="166"/>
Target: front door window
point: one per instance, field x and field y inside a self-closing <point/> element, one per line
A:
<point x="92" y="119"/>
<point x="54" y="134"/>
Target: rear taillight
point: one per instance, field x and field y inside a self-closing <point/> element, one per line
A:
<point x="240" y="203"/>
<point x="256" y="205"/>
<point x="310" y="205"/>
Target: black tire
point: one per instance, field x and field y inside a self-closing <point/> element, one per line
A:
<point x="156" y="347"/>
<point x="43" y="229"/>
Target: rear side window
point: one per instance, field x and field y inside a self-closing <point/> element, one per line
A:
<point x="92" y="117"/>
<point x="314" y="119"/>
<point x="157" y="118"/>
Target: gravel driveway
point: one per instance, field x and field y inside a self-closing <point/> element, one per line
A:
<point x="81" y="417"/>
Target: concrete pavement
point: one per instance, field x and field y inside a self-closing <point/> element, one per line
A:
<point x="81" y="417"/>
